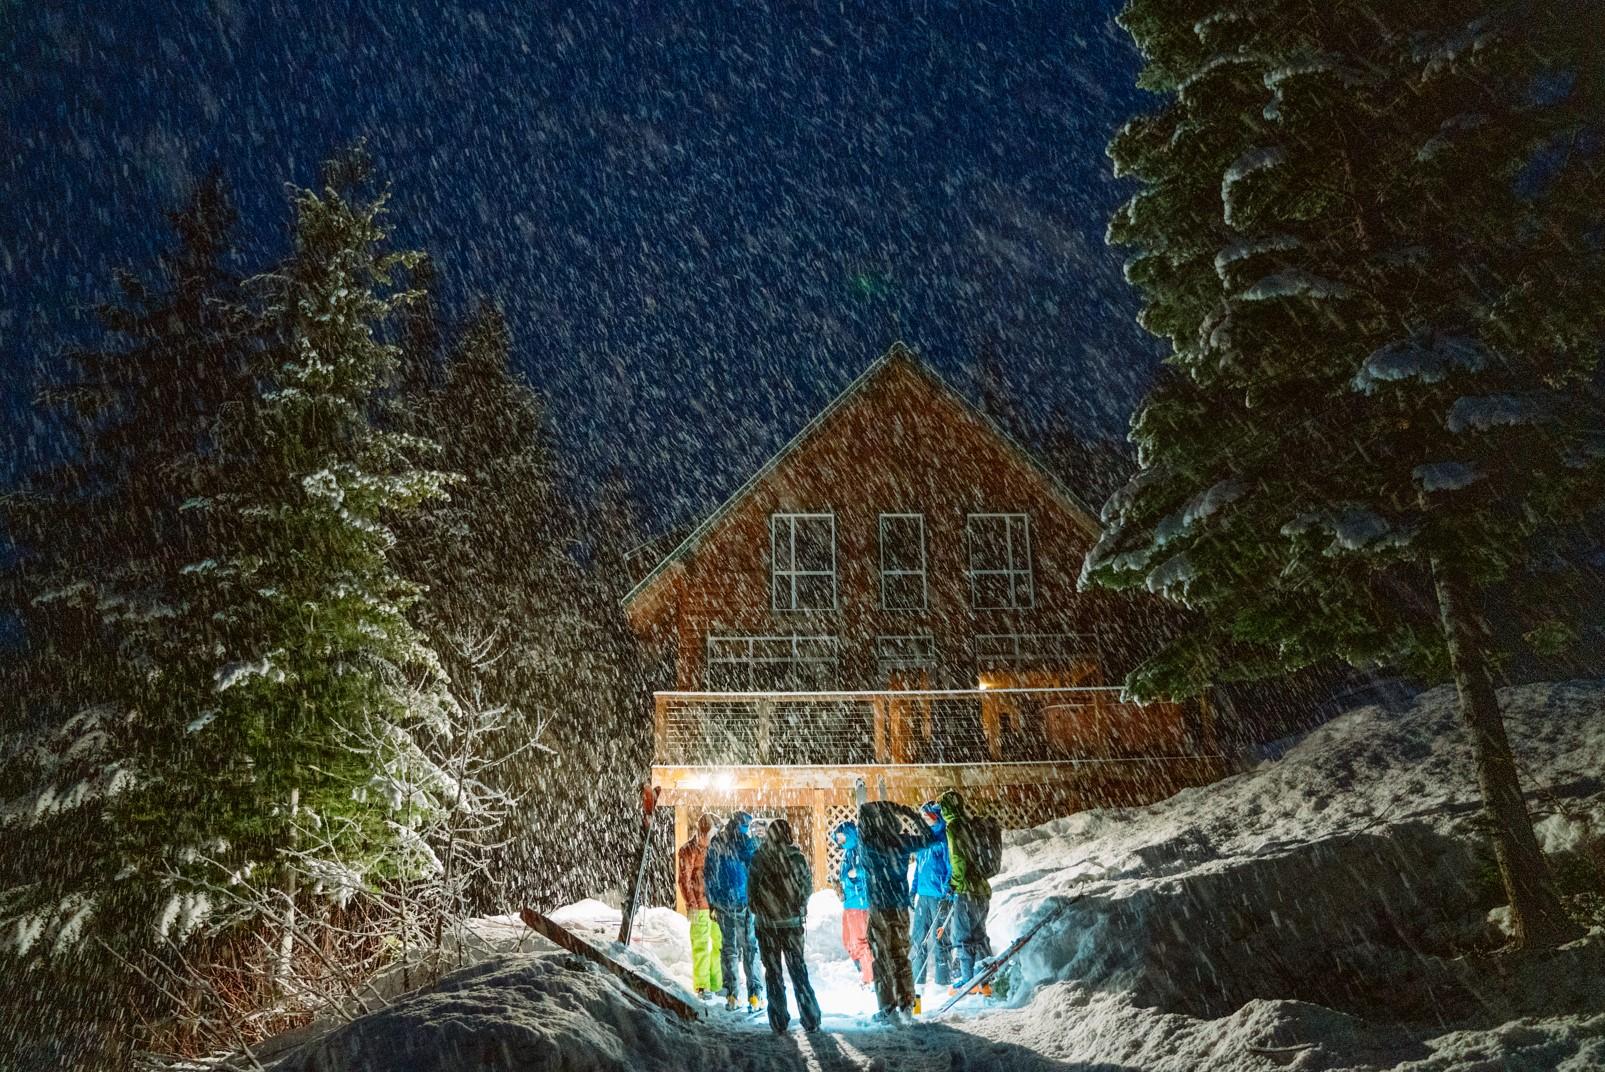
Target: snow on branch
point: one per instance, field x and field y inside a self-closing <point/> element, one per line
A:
<point x="1295" y="283"/>
<point x="1445" y="476"/>
<point x="1484" y="412"/>
<point x="1429" y="360"/>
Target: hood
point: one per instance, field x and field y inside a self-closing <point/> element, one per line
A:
<point x="707" y="823"/>
<point x="848" y="828"/>
<point x="739" y="823"/>
<point x="952" y="806"/>
<point x="932" y="808"/>
<point x="779" y="832"/>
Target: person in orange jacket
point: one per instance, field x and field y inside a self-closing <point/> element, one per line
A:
<point x="706" y="941"/>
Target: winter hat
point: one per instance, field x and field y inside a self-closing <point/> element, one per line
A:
<point x="931" y="807"/>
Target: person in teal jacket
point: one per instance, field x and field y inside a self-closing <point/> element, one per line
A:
<point x="933" y="900"/>
<point x="855" y="901"/>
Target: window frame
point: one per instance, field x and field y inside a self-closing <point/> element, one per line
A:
<point x="792" y="573"/>
<point x="923" y="571"/>
<point x="888" y="657"/>
<point x="1013" y="570"/>
<point x="753" y="645"/>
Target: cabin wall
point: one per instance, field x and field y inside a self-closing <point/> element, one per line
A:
<point x="900" y="445"/>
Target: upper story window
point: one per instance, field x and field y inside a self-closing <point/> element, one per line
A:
<point x="803" y="553"/>
<point x="902" y="540"/>
<point x="917" y="651"/>
<point x="771" y="663"/>
<point x="1000" y="561"/>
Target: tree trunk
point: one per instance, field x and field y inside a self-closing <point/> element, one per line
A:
<point x="284" y="962"/>
<point x="1537" y="916"/>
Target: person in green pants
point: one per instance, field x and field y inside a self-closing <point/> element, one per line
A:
<point x="691" y="862"/>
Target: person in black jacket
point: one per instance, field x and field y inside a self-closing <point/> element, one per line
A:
<point x="891" y="833"/>
<point x="778" y="885"/>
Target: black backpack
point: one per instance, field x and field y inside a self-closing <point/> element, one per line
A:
<point x="986" y="844"/>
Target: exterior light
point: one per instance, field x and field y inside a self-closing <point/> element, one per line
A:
<point x="724" y="781"/>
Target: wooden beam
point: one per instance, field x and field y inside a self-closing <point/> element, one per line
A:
<point x="660" y="726"/>
<point x="792" y="784"/>
<point x="646" y="988"/>
<point x="821" y="847"/>
<point x="682" y="816"/>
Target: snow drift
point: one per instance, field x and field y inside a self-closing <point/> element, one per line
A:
<point x="1334" y="908"/>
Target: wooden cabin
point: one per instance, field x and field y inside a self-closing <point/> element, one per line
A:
<point x="892" y="598"/>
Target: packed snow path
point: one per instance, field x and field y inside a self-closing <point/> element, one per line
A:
<point x="1326" y="910"/>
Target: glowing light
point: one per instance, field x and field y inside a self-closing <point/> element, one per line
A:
<point x="724" y="781"/>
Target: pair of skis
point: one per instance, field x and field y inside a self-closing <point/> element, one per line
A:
<point x="649" y="815"/>
<point x="998" y="963"/>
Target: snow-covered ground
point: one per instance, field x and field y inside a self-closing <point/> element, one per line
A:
<point x="1330" y="909"/>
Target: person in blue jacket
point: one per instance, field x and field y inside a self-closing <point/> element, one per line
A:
<point x="932" y="900"/>
<point x="725" y="875"/>
<point x="855" y="901"/>
<point x="891" y="833"/>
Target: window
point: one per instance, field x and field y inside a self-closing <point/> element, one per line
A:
<point x="993" y="650"/>
<point x="803" y="556"/>
<point x="1000" y="561"/>
<point x="902" y="561"/>
<point x="771" y="663"/>
<point x="905" y="652"/>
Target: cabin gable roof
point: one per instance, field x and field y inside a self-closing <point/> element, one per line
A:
<point x="898" y="357"/>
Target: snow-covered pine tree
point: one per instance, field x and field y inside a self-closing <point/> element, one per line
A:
<point x="499" y="567"/>
<point x="1368" y="234"/>
<point x="309" y="685"/>
<point x="99" y="539"/>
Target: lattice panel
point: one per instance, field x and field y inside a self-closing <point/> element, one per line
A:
<point x="834" y="813"/>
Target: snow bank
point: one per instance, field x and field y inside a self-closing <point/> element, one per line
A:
<point x="554" y="1011"/>
<point x="1336" y="896"/>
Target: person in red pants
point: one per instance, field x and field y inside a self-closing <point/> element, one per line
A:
<point x="855" y="902"/>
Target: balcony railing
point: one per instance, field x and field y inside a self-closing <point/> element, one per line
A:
<point x="919" y="726"/>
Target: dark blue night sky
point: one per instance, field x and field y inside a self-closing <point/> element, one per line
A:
<point x="702" y="218"/>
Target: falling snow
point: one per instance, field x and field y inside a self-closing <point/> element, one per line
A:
<point x="451" y="449"/>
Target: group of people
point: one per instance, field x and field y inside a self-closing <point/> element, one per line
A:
<point x="747" y="899"/>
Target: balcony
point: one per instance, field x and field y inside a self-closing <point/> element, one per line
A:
<point x="1072" y="724"/>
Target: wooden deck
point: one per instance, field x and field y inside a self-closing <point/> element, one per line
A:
<point x="1020" y="792"/>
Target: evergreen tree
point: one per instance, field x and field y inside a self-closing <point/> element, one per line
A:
<point x="94" y="585"/>
<point x="309" y="686"/>
<point x="498" y="562"/>
<point x="614" y="680"/>
<point x="1369" y="236"/>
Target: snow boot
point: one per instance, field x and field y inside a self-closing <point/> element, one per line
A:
<point x="730" y="1003"/>
<point x="919" y="1006"/>
<point x="754" y="1006"/>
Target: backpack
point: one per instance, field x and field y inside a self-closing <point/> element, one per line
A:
<point x="986" y="844"/>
